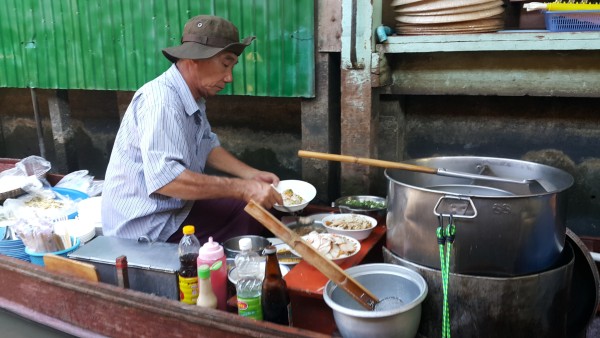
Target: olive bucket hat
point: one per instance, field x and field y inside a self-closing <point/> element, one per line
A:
<point x="204" y="36"/>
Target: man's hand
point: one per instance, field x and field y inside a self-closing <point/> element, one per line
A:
<point x="262" y="193"/>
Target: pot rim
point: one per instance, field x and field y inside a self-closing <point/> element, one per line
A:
<point x="569" y="179"/>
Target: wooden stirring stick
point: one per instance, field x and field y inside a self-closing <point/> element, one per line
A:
<point x="328" y="268"/>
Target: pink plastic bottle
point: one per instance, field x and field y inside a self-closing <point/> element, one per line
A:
<point x="210" y="253"/>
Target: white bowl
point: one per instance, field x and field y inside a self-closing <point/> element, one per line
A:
<point x="303" y="189"/>
<point x="359" y="234"/>
<point x="325" y="236"/>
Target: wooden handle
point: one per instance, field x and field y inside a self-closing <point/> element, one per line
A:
<point x="328" y="268"/>
<point x="366" y="161"/>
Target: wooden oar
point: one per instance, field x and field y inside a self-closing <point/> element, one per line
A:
<point x="328" y="268"/>
<point x="534" y="185"/>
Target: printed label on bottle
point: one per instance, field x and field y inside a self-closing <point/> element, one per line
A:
<point x="250" y="307"/>
<point x="188" y="289"/>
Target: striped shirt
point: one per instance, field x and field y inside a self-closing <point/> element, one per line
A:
<point x="163" y="132"/>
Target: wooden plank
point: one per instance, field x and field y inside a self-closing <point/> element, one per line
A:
<point x="492" y="42"/>
<point x="329" y="25"/>
<point x="508" y="73"/>
<point x="70" y="267"/>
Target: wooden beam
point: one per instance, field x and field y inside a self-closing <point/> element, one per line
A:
<point x="62" y="132"/>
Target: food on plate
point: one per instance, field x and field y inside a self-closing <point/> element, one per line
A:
<point x="290" y="198"/>
<point x="44" y="203"/>
<point x="364" y="204"/>
<point x="351" y="222"/>
<point x="332" y="246"/>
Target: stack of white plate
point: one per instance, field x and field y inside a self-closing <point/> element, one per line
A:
<point x="89" y="212"/>
<point x="423" y="17"/>
<point x="76" y="228"/>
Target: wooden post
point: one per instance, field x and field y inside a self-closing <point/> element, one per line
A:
<point x="359" y="121"/>
<point x="62" y="133"/>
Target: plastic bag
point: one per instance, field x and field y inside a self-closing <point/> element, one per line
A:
<point x="81" y="181"/>
<point x="28" y="174"/>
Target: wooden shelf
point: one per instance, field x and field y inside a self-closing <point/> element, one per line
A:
<point x="501" y="41"/>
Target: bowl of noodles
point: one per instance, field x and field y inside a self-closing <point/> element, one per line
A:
<point x="296" y="195"/>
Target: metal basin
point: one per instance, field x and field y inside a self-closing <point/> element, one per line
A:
<point x="383" y="280"/>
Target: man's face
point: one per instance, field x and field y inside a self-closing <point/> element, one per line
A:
<point x="214" y="73"/>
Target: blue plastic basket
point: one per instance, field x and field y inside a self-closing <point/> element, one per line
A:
<point x="38" y="257"/>
<point x="572" y="21"/>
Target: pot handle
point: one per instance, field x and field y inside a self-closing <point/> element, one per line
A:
<point x="451" y="206"/>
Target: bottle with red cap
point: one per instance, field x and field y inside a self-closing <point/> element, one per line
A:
<point x="213" y="255"/>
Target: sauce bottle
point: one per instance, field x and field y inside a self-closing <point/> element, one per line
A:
<point x="206" y="296"/>
<point x="248" y="286"/>
<point x="188" y="271"/>
<point x="275" y="298"/>
<point x="210" y="253"/>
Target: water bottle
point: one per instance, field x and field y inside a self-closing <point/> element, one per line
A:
<point x="210" y="253"/>
<point x="189" y="247"/>
<point x="249" y="283"/>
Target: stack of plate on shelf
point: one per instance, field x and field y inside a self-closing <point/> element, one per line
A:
<point x="428" y="17"/>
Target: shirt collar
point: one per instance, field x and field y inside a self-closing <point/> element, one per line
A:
<point x="191" y="105"/>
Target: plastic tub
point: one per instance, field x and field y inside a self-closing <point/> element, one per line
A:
<point x="38" y="257"/>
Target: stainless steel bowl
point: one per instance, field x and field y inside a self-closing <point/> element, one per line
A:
<point x="232" y="245"/>
<point x="383" y="280"/>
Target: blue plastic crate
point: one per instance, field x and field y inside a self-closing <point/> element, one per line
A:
<point x="572" y="21"/>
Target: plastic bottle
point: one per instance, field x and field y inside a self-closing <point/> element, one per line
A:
<point x="210" y="253"/>
<point x="275" y="298"/>
<point x="249" y="283"/>
<point x="206" y="296"/>
<point x="188" y="271"/>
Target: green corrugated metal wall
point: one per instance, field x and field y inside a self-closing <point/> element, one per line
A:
<point x="116" y="44"/>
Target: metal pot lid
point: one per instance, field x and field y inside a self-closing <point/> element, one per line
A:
<point x="584" y="293"/>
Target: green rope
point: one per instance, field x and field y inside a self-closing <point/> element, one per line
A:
<point x="445" y="238"/>
<point x="441" y="242"/>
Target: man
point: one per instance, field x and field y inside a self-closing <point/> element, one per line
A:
<point x="155" y="181"/>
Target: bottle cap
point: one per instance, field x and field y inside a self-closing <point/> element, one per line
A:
<point x="211" y="251"/>
<point x="188" y="230"/>
<point x="245" y="243"/>
<point x="270" y="249"/>
<point x="203" y="271"/>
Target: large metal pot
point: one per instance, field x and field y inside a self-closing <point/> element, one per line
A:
<point x="502" y="229"/>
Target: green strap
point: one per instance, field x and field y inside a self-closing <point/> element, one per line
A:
<point x="445" y="239"/>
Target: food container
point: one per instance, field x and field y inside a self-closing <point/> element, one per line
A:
<point x="152" y="267"/>
<point x="383" y="280"/>
<point x="502" y="229"/>
<point x="373" y="206"/>
<point x="330" y="221"/>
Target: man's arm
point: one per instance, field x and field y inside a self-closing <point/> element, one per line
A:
<point x="252" y="184"/>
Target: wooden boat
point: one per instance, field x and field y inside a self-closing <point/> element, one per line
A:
<point x="87" y="309"/>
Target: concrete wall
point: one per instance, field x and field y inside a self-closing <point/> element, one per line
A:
<point x="558" y="131"/>
<point x="264" y="132"/>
